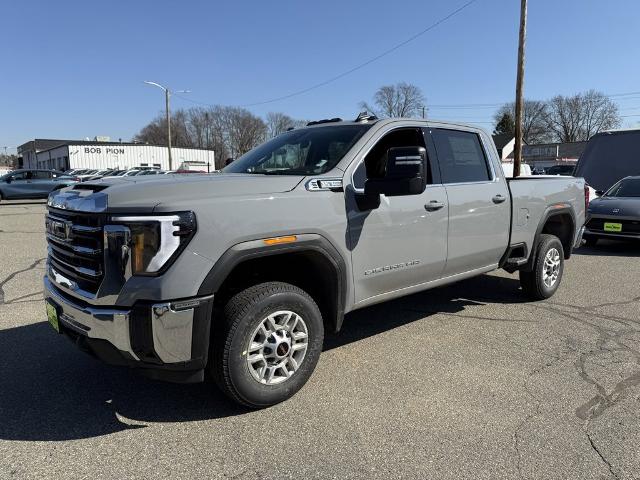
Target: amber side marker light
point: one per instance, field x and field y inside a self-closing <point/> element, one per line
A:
<point x="279" y="240"/>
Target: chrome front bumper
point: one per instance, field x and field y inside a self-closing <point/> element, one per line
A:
<point x="172" y="325"/>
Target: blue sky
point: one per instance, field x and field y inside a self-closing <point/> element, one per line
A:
<point x="73" y="69"/>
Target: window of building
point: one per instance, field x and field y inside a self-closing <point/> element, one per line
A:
<point x="460" y="156"/>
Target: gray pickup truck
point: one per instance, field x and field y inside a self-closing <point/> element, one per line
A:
<point x="237" y="275"/>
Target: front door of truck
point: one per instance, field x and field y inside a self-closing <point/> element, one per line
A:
<point x="479" y="205"/>
<point x="402" y="242"/>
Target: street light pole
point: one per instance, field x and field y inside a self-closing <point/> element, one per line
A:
<point x="168" y="113"/>
<point x="167" y="94"/>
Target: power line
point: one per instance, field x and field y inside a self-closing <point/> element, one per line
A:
<point x="354" y="69"/>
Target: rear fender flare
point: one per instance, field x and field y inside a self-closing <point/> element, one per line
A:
<point x="549" y="212"/>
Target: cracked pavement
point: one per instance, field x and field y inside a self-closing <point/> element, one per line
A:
<point x="464" y="381"/>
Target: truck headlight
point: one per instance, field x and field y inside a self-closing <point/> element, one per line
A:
<point x="157" y="239"/>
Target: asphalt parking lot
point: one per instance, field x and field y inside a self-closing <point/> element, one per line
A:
<point x="466" y="381"/>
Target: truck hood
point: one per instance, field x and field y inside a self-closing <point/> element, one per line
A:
<point x="624" y="206"/>
<point x="144" y="193"/>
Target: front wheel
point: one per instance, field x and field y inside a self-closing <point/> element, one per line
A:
<point x="270" y="344"/>
<point x="545" y="277"/>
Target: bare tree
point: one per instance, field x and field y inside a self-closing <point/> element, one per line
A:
<point x="243" y="130"/>
<point x="155" y="132"/>
<point x="228" y="131"/>
<point x="400" y="100"/>
<point x="278" y="123"/>
<point x="534" y="123"/>
<point x="579" y="117"/>
<point x="9" y="160"/>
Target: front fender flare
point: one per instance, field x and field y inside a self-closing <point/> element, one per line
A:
<point x="257" y="248"/>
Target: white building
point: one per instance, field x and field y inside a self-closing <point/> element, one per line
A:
<point x="119" y="155"/>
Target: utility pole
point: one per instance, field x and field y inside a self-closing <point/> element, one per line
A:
<point x="167" y="94"/>
<point x="517" y="154"/>
<point x="168" y="113"/>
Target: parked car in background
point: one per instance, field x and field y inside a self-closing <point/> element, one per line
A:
<point x="86" y="175"/>
<point x="76" y="171"/>
<point x="99" y="174"/>
<point x="146" y="167"/>
<point x="608" y="158"/>
<point x="115" y="173"/>
<point x="130" y="173"/>
<point x="566" y="170"/>
<point x="151" y="172"/>
<point x="32" y="184"/>
<point x="616" y="213"/>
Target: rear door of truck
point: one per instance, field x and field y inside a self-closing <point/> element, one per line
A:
<point x="478" y="198"/>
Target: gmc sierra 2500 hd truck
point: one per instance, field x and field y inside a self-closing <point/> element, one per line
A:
<point x="237" y="275"/>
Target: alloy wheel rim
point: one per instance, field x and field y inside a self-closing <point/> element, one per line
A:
<point x="277" y="347"/>
<point x="551" y="267"/>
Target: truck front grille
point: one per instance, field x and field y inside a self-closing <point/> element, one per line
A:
<point x="75" y="246"/>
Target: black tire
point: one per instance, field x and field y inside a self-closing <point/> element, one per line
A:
<point x="242" y="315"/>
<point x="532" y="282"/>
<point x="591" y="241"/>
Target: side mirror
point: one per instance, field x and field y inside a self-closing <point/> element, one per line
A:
<point x="406" y="173"/>
<point x="9" y="179"/>
<point x="599" y="193"/>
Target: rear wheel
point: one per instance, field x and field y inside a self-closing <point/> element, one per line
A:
<point x="270" y="344"/>
<point x="545" y="277"/>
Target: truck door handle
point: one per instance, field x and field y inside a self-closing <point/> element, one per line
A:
<point x="433" y="205"/>
<point x="499" y="198"/>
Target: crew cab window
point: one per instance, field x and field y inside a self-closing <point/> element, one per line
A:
<point x="460" y="156"/>
<point x="375" y="162"/>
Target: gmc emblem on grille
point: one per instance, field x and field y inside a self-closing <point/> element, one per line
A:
<point x="59" y="229"/>
<point x="615" y="210"/>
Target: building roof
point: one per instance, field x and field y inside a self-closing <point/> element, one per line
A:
<point x="118" y="144"/>
<point x="501" y="140"/>
<point x="40" y="144"/>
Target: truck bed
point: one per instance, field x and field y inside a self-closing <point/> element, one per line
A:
<point x="533" y="196"/>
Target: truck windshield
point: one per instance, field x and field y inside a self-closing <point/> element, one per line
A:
<point x="610" y="157"/>
<point x="308" y="151"/>
<point x="629" y="187"/>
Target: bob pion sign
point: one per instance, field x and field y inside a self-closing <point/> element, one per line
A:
<point x="107" y="150"/>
